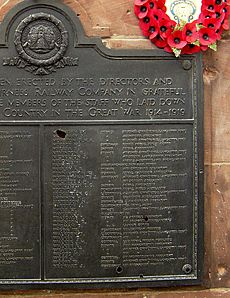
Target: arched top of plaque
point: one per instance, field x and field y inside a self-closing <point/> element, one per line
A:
<point x="42" y="35"/>
<point x="50" y="13"/>
<point x="55" y="19"/>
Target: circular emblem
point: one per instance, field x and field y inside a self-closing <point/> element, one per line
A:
<point x="41" y="39"/>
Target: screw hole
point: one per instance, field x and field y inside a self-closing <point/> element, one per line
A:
<point x="61" y="134"/>
<point x="187" y="65"/>
<point x="141" y="276"/>
<point x="187" y="269"/>
<point x="119" y="269"/>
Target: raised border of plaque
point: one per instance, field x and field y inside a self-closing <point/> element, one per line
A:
<point x="101" y="154"/>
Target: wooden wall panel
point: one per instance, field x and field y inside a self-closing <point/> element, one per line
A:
<point x="220" y="233"/>
<point x="116" y="23"/>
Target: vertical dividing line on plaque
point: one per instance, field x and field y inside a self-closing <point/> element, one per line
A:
<point x="42" y="216"/>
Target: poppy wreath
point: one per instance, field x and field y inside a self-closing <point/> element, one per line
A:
<point x="182" y="37"/>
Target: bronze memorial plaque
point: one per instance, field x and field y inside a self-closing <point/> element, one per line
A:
<point x="101" y="158"/>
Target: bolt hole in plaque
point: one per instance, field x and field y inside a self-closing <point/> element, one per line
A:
<point x="141" y="276"/>
<point x="61" y="134"/>
<point x="187" y="268"/>
<point x="119" y="269"/>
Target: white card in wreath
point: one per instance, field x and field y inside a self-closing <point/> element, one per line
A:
<point x="186" y="10"/>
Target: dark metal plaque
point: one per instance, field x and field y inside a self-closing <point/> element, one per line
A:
<point x="101" y="167"/>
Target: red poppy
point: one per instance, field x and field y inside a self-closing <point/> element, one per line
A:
<point x="225" y="24"/>
<point x="161" y="4"/>
<point x="220" y="13"/>
<point x="208" y="5"/>
<point x="149" y="27"/>
<point x="168" y="49"/>
<point x="141" y="11"/>
<point x="175" y="40"/>
<point x="159" y="42"/>
<point x="145" y="23"/>
<point x="140" y="2"/>
<point x="205" y="15"/>
<point x="226" y="10"/>
<point x="153" y="30"/>
<point x="219" y="2"/>
<point x="207" y="36"/>
<point x="189" y="32"/>
<point x="166" y="27"/>
<point x="204" y="48"/>
<point x="190" y="49"/>
<point x="163" y="8"/>
<point x="212" y="23"/>
<point x="151" y="5"/>
<point x="158" y="14"/>
<point x="218" y="33"/>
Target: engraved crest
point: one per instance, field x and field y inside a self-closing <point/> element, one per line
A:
<point x="41" y="39"/>
<point x="41" y="42"/>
